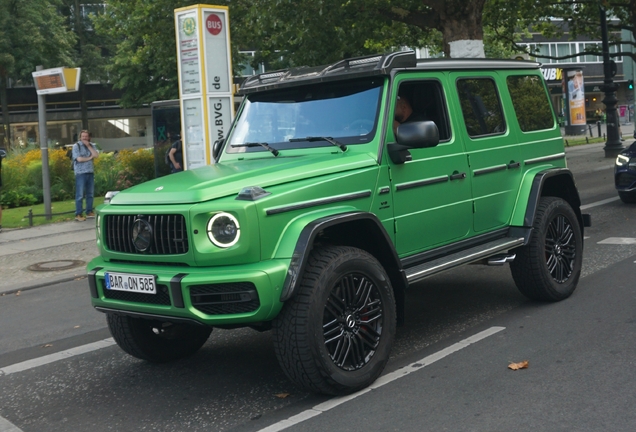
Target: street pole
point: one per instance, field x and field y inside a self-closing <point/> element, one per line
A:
<point x="613" y="145"/>
<point x="44" y="148"/>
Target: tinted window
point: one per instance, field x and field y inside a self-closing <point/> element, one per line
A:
<point x="344" y="110"/>
<point x="427" y="101"/>
<point x="531" y="103"/>
<point x="480" y="106"/>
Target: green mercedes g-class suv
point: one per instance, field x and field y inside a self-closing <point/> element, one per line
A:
<point x="335" y="189"/>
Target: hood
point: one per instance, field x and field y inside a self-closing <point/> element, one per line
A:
<point x="228" y="178"/>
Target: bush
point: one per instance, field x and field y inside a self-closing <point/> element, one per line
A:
<point x="22" y="174"/>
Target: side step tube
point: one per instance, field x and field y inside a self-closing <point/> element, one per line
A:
<point x="493" y="249"/>
<point x="499" y="260"/>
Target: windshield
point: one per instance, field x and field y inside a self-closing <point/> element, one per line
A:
<point x="346" y="111"/>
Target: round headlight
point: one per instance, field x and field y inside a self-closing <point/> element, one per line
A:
<point x="223" y="230"/>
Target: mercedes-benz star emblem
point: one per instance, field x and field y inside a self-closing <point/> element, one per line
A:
<point x="141" y="235"/>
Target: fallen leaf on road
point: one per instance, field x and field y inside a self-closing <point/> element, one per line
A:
<point x="282" y="395"/>
<point x="517" y="366"/>
<point x="47" y="346"/>
<point x="18" y="293"/>
<point x="76" y="326"/>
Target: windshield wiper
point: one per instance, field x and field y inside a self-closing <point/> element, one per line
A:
<point x="256" y="144"/>
<point x="321" y="138"/>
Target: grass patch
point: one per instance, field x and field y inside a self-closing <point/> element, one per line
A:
<point x="18" y="217"/>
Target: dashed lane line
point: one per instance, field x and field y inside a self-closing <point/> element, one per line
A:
<point x="618" y="241"/>
<point x="41" y="361"/>
<point x="598" y="203"/>
<point x="400" y="373"/>
<point x="7" y="426"/>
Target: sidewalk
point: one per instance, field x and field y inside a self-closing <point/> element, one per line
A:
<point x="48" y="254"/>
<point x="44" y="255"/>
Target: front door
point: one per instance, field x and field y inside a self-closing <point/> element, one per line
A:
<point x="432" y="194"/>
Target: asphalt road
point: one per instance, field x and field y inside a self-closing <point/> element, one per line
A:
<point x="580" y="374"/>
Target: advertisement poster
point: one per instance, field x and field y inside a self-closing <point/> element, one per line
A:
<point x="576" y="97"/>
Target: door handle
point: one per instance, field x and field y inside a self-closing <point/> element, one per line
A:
<point x="513" y="164"/>
<point x="458" y="176"/>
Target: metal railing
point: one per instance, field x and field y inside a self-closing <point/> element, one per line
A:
<point x="31" y="215"/>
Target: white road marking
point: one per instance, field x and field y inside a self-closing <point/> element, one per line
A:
<point x="598" y="203"/>
<point x="618" y="241"/>
<point x="41" y="361"/>
<point x="7" y="426"/>
<point x="606" y="168"/>
<point x="400" y="373"/>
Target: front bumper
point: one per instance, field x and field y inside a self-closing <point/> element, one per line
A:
<point x="228" y="295"/>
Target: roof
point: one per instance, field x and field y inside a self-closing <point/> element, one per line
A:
<point x="379" y="64"/>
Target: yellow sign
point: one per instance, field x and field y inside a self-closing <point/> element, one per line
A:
<point x="56" y="80"/>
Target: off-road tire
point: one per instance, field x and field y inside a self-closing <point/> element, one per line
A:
<point x="627" y="197"/>
<point x="156" y="341"/>
<point x="549" y="266"/>
<point x="345" y="297"/>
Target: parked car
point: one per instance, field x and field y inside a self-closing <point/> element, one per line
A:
<point x="625" y="174"/>
<point x="326" y="203"/>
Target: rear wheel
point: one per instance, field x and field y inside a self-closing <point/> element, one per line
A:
<point x="549" y="266"/>
<point x="627" y="197"/>
<point x="335" y="335"/>
<point x="156" y="341"/>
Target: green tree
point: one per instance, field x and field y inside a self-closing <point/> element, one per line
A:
<point x="318" y="31"/>
<point x="512" y="19"/>
<point x="91" y="50"/>
<point x="144" y="58"/>
<point x="32" y="32"/>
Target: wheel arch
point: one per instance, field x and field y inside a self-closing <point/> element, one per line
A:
<point x="556" y="182"/>
<point x="358" y="229"/>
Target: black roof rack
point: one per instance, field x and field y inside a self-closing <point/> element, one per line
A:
<point x="379" y="64"/>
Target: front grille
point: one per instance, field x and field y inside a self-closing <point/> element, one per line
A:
<point x="169" y="234"/>
<point x="162" y="297"/>
<point x="625" y="179"/>
<point x="227" y="298"/>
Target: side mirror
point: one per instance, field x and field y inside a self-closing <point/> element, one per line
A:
<point x="421" y="134"/>
<point x="216" y="149"/>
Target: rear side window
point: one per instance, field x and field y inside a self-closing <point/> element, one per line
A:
<point x="531" y="102"/>
<point x="481" y="107"/>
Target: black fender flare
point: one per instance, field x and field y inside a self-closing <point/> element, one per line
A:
<point x="544" y="184"/>
<point x="310" y="232"/>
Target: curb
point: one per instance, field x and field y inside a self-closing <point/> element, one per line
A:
<point x="41" y="284"/>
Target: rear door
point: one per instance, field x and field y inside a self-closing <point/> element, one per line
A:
<point x="493" y="152"/>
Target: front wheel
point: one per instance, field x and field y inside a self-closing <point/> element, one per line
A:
<point x="156" y="341"/>
<point x="549" y="266"/>
<point x="335" y="335"/>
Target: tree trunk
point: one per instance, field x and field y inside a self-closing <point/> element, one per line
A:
<point x="459" y="21"/>
<point x="4" y="102"/>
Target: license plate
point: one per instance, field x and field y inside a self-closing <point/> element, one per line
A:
<point x="138" y="283"/>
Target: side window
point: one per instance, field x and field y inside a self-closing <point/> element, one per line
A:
<point x="481" y="107"/>
<point x="422" y="100"/>
<point x="531" y="102"/>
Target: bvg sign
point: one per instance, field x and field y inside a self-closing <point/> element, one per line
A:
<point x="552" y="74"/>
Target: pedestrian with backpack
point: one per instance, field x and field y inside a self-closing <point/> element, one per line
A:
<point x="175" y="155"/>
<point x="84" y="151"/>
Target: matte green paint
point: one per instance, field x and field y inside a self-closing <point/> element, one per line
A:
<point x="416" y="219"/>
